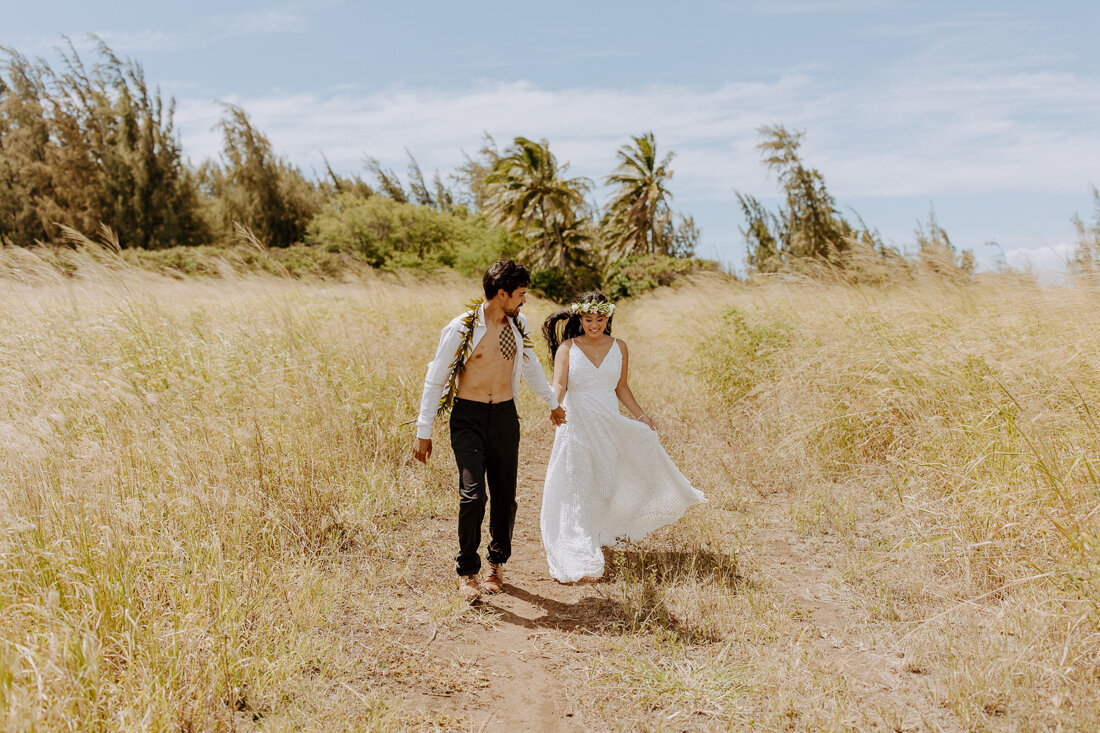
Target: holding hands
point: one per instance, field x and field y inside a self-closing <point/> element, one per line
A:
<point x="557" y="416"/>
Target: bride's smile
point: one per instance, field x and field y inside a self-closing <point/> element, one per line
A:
<point x="593" y="325"/>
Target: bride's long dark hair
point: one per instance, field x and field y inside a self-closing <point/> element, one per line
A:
<point x="565" y="324"/>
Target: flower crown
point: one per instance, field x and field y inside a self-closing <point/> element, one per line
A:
<point x="592" y="308"/>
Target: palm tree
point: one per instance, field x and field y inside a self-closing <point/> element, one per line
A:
<point x="528" y="194"/>
<point x="638" y="220"/>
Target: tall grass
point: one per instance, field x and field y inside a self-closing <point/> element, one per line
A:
<point x="209" y="517"/>
<point x="190" y="479"/>
<point x="937" y="446"/>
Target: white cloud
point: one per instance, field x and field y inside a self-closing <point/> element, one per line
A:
<point x="928" y="127"/>
<point x="259" y="23"/>
<point x="200" y="33"/>
<point x="711" y="130"/>
<point x="924" y="138"/>
<point x="1053" y="258"/>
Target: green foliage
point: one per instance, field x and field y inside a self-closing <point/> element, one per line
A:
<point x="808" y="225"/>
<point x="741" y="355"/>
<point x="389" y="183"/>
<point x="458" y="361"/>
<point x="637" y="217"/>
<point x="561" y="286"/>
<point x="254" y="187"/>
<point x="682" y="237"/>
<point x="334" y="184"/>
<point x="87" y="147"/>
<point x="90" y="156"/>
<point x="435" y="195"/>
<point x="638" y="220"/>
<point x="471" y="176"/>
<point x="389" y="234"/>
<point x="634" y="275"/>
<point x="482" y="246"/>
<point x="528" y="194"/>
<point x="761" y="233"/>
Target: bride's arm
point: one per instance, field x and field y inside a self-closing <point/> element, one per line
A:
<point x="561" y="370"/>
<point x="622" y="391"/>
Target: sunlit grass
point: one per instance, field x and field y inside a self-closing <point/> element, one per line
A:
<point x="935" y="449"/>
<point x="198" y="481"/>
<point x="209" y="516"/>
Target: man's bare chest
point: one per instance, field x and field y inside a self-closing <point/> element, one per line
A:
<point x="496" y="351"/>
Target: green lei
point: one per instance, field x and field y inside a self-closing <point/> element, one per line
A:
<point x="465" y="347"/>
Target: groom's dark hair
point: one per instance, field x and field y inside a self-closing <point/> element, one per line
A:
<point x="505" y="275"/>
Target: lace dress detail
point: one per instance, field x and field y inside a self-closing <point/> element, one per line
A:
<point x="609" y="481"/>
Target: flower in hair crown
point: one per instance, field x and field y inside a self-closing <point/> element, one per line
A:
<point x="592" y="308"/>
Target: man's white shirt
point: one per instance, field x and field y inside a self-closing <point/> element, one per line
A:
<point x="526" y="366"/>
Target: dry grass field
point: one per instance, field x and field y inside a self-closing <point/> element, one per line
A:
<point x="210" y="519"/>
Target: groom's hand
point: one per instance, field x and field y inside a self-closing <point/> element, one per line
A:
<point x="557" y="416"/>
<point x="422" y="449"/>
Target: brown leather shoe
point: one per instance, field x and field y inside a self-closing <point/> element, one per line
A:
<point x="494" y="581"/>
<point x="469" y="586"/>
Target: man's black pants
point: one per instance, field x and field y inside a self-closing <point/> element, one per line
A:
<point x="485" y="439"/>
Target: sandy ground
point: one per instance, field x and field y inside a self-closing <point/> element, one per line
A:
<point x="531" y="644"/>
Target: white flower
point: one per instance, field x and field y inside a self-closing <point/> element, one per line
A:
<point x="592" y="308"/>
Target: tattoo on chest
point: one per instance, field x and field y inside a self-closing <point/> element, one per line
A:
<point x="507" y="343"/>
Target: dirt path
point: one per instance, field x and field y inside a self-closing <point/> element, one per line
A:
<point x="515" y="638"/>
<point x="528" y="642"/>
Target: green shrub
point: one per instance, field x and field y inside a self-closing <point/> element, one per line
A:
<point x="483" y="247"/>
<point x="635" y="275"/>
<point x="742" y="355"/>
<point x="561" y="285"/>
<point x="391" y="235"/>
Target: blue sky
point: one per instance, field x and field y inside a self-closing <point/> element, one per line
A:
<point x="986" y="111"/>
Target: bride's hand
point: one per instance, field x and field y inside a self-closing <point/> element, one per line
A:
<point x="648" y="421"/>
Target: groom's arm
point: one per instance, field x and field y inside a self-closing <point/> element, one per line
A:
<point x="439" y="371"/>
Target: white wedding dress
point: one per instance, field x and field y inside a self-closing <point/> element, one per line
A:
<point x="609" y="480"/>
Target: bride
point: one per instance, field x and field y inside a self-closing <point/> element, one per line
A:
<point x="609" y="480"/>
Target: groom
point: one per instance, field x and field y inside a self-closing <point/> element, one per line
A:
<point x="476" y="371"/>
